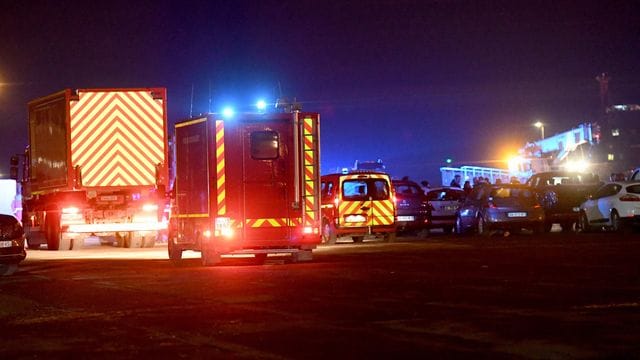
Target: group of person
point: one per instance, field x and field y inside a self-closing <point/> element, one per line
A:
<point x="477" y="181"/>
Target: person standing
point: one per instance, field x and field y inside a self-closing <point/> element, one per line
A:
<point x="455" y="182"/>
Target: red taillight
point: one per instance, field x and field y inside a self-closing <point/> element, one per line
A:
<point x="537" y="206"/>
<point x="629" y="197"/>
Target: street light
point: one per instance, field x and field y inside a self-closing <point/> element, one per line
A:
<point x="540" y="125"/>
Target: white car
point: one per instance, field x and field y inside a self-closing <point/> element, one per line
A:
<point x="615" y="206"/>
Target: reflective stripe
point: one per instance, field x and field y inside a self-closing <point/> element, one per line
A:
<point x="221" y="199"/>
<point x="117" y="137"/>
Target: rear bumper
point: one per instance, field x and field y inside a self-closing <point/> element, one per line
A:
<point x="366" y="230"/>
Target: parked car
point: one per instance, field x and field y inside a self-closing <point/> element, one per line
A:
<point x="508" y="207"/>
<point x="12" y="239"/>
<point x="444" y="202"/>
<point x="561" y="193"/>
<point x="357" y="204"/>
<point x="412" y="208"/>
<point x="615" y="206"/>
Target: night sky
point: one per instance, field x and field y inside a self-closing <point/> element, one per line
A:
<point x="411" y="82"/>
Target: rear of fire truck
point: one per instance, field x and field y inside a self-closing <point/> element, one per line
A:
<point x="246" y="185"/>
<point x="96" y="166"/>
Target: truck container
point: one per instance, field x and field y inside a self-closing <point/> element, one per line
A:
<point x="96" y="165"/>
<point x="246" y="185"/>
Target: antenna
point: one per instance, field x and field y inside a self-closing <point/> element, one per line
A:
<point x="209" y="109"/>
<point x="191" y="105"/>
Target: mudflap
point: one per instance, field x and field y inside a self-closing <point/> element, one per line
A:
<point x="209" y="255"/>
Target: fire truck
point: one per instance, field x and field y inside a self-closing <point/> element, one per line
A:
<point x="246" y="185"/>
<point x="95" y="166"/>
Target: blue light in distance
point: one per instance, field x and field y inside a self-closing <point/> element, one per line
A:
<point x="261" y="105"/>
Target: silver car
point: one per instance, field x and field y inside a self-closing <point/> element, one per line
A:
<point x="445" y="202"/>
<point x="507" y="207"/>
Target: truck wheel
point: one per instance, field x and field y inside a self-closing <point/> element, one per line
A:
<point x="357" y="239"/>
<point x="548" y="226"/>
<point x="51" y="234"/>
<point x="328" y="233"/>
<point x="8" y="269"/>
<point x="174" y="250"/>
<point x="209" y="255"/>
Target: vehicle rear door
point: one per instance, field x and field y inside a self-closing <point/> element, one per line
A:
<point x="267" y="171"/>
<point x="366" y="201"/>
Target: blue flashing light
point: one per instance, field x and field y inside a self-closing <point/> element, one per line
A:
<point x="448" y="160"/>
<point x="261" y="105"/>
<point x="228" y="112"/>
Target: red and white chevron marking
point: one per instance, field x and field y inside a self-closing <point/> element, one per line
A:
<point x="117" y="137"/>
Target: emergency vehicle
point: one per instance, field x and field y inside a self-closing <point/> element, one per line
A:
<point x="248" y="184"/>
<point x="95" y="166"/>
<point x="357" y="204"/>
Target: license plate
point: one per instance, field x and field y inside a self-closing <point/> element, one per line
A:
<point x="355" y="218"/>
<point x="517" y="214"/>
<point x="451" y="208"/>
<point x="6" y="244"/>
<point x="406" y="218"/>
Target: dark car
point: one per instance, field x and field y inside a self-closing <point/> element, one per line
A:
<point x="11" y="244"/>
<point x="507" y="207"/>
<point x="413" y="210"/>
<point x="561" y="193"/>
<point x="444" y="202"/>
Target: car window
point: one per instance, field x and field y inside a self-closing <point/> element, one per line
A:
<point x="506" y="192"/>
<point x="633" y="189"/>
<point x="445" y="195"/>
<point x="362" y="189"/>
<point x="408" y="189"/>
<point x="607" y="190"/>
<point x="10" y="228"/>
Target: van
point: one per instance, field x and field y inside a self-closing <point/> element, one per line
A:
<point x="357" y="204"/>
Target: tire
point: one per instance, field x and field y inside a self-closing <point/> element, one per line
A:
<point x="567" y="226"/>
<point x="390" y="237"/>
<point x="52" y="232"/>
<point x="583" y="224"/>
<point x="547" y="227"/>
<point x="328" y="234"/>
<point x="209" y="256"/>
<point x="8" y="269"/>
<point x="174" y="251"/>
<point x="482" y="227"/>
<point x="457" y="227"/>
<point x="447" y="229"/>
<point x="617" y="225"/>
<point x="358" y="239"/>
